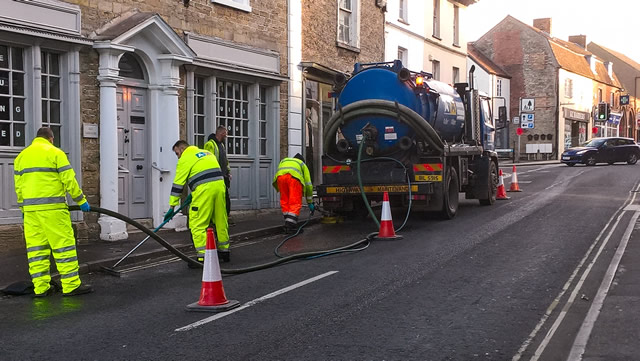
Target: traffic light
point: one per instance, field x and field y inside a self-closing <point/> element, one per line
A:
<point x="603" y="111"/>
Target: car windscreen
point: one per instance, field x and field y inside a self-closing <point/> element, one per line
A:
<point x="594" y="143"/>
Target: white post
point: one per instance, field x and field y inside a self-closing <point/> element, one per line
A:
<point x="111" y="229"/>
<point x="295" y="120"/>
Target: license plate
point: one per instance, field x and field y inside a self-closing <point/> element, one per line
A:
<point x="428" y="178"/>
<point x="372" y="189"/>
<point x="566" y="158"/>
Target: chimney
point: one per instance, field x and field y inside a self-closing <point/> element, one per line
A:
<point x="543" y="24"/>
<point x="580" y="40"/>
<point x="609" y="66"/>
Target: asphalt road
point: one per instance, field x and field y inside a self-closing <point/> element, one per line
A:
<point x="487" y="285"/>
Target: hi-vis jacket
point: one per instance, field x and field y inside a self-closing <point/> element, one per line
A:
<point x="212" y="146"/>
<point x="195" y="167"/>
<point x="42" y="176"/>
<point x="299" y="171"/>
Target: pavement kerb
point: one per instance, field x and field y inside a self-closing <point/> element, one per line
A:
<point x="93" y="266"/>
<point x="529" y="163"/>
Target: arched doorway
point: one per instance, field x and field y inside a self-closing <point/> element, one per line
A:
<point x="133" y="139"/>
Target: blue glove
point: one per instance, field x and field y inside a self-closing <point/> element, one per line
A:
<point x="169" y="214"/>
<point x="312" y="207"/>
<point x="85" y="207"/>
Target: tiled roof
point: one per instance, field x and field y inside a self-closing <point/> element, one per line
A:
<point x="486" y="63"/>
<point x="622" y="57"/>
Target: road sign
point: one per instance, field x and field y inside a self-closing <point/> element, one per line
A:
<point x="527" y="120"/>
<point x="527" y="104"/>
<point x="519" y="131"/>
<point x="516" y="120"/>
<point x="624" y="99"/>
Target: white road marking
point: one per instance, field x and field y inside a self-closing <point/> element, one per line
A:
<point x="556" y="301"/>
<point x="580" y="343"/>
<point x="254" y="302"/>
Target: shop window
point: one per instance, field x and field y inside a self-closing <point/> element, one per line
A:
<point x="232" y="112"/>
<point x="262" y="121"/>
<point x="199" y="135"/>
<point x="348" y="22"/>
<point x="12" y="96"/>
<point x="50" y="84"/>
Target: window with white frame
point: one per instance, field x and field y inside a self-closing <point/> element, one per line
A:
<point x="262" y="121"/>
<point x="456" y="25"/>
<point x="435" y="69"/>
<point x="568" y="88"/>
<point x="499" y="87"/>
<point x="611" y="97"/>
<point x="243" y="5"/>
<point x="436" y="18"/>
<point x="403" y="11"/>
<point x="348" y="22"/>
<point x="232" y="112"/>
<point x="456" y="75"/>
<point x="50" y="83"/>
<point x="599" y="95"/>
<point x="12" y="96"/>
<point x="403" y="56"/>
<point x="199" y="135"/>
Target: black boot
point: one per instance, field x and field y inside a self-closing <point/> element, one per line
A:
<point x="81" y="290"/>
<point x="196" y="259"/>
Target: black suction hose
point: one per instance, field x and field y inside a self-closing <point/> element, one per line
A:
<point x="187" y="259"/>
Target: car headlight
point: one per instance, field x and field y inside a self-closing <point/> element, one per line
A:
<point x="581" y="152"/>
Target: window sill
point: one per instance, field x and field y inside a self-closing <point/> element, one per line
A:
<point x="456" y="45"/>
<point x="403" y="21"/>
<point x="233" y="4"/>
<point x="346" y="46"/>
<point x="436" y="37"/>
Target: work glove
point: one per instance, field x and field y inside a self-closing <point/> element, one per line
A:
<point x="312" y="207"/>
<point x="169" y="214"/>
<point x="85" y="207"/>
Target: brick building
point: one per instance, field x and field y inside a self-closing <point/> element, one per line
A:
<point x="555" y="85"/>
<point x="628" y="71"/>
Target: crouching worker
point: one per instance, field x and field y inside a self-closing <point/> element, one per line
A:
<point x="290" y="180"/>
<point x="43" y="176"/>
<point x="200" y="170"/>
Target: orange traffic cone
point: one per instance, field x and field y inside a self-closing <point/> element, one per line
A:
<point x="386" y="224"/>
<point x="501" y="195"/>
<point x="212" y="297"/>
<point x="514" y="181"/>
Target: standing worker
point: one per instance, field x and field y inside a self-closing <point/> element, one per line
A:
<point x="215" y="144"/>
<point x="43" y="176"/>
<point x="290" y="180"/>
<point x="201" y="171"/>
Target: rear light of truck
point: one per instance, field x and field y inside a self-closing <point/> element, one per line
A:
<point x="330" y="199"/>
<point x="418" y="197"/>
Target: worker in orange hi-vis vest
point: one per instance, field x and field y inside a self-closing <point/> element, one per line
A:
<point x="292" y="180"/>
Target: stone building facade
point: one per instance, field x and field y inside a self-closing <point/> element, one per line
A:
<point x="554" y="85"/>
<point x="333" y="36"/>
<point x="121" y="81"/>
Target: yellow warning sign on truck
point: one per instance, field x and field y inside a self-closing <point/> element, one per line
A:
<point x="372" y="189"/>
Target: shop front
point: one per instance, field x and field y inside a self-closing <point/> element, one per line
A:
<point x="576" y="123"/>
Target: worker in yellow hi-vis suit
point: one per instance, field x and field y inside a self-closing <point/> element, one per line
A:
<point x="43" y="176"/>
<point x="200" y="170"/>
<point x="292" y="180"/>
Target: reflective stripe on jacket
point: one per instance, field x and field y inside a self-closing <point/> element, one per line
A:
<point x="299" y="171"/>
<point x="195" y="167"/>
<point x="42" y="176"/>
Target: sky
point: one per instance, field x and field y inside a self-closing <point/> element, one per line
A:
<point x="610" y="23"/>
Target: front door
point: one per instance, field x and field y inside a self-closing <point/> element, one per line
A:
<point x="133" y="167"/>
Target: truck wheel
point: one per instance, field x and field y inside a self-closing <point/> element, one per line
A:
<point x="493" y="186"/>
<point x="450" y="196"/>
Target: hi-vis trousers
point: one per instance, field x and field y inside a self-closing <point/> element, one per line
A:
<point x="290" y="198"/>
<point x="208" y="204"/>
<point x="46" y="231"/>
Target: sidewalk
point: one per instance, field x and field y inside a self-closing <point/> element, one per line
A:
<point x="96" y="253"/>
